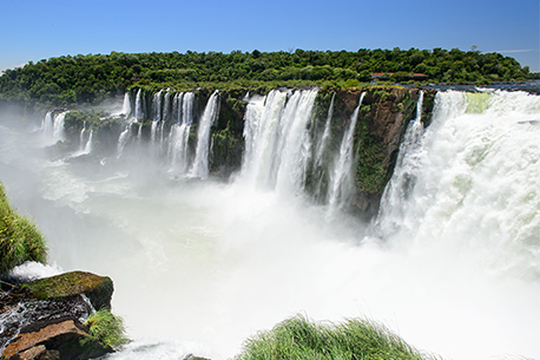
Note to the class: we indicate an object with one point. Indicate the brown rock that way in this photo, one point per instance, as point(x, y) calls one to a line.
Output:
point(69, 338)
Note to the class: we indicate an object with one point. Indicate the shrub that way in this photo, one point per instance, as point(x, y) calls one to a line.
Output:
point(20, 240)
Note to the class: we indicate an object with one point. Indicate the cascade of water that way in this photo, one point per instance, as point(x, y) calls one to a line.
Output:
point(326, 133)
point(399, 188)
point(123, 140)
point(294, 146)
point(340, 177)
point(47, 126)
point(261, 127)
point(126, 106)
point(156, 105)
point(166, 106)
point(154, 131)
point(88, 147)
point(200, 163)
point(139, 113)
point(278, 145)
point(473, 180)
point(179, 135)
point(58, 128)
point(81, 138)
point(177, 108)
point(187, 108)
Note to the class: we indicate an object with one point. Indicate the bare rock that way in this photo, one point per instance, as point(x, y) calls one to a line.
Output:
point(65, 340)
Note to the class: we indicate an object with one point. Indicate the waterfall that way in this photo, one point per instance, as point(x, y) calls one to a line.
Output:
point(81, 138)
point(200, 163)
point(326, 134)
point(123, 140)
point(179, 135)
point(166, 107)
point(340, 180)
point(126, 106)
point(88, 147)
point(157, 105)
point(278, 145)
point(52, 128)
point(450, 263)
point(47, 126)
point(139, 113)
point(472, 179)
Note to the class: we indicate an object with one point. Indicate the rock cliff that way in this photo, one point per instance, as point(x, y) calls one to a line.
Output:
point(47, 318)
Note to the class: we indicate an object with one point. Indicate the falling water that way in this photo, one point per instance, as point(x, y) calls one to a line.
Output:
point(179, 136)
point(326, 133)
point(278, 145)
point(139, 105)
point(81, 138)
point(402, 182)
point(126, 105)
point(88, 147)
point(340, 180)
point(123, 140)
point(200, 266)
point(200, 163)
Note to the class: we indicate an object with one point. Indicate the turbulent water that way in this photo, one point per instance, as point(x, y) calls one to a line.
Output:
point(451, 263)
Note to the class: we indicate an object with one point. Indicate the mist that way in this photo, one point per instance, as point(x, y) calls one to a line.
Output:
point(200, 265)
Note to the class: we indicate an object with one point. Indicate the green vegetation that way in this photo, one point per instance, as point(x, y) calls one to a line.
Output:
point(298, 338)
point(90, 78)
point(20, 240)
point(97, 288)
point(107, 328)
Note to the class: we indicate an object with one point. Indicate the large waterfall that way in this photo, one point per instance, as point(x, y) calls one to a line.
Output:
point(450, 263)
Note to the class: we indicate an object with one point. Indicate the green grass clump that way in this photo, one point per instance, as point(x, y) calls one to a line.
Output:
point(20, 240)
point(298, 338)
point(107, 328)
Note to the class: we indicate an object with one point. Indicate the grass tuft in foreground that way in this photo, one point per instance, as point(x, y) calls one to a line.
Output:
point(107, 328)
point(20, 240)
point(298, 338)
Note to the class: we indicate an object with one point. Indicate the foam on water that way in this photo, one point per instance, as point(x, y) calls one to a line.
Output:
point(199, 265)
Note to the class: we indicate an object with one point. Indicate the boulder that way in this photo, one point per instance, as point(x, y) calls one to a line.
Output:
point(65, 340)
point(98, 289)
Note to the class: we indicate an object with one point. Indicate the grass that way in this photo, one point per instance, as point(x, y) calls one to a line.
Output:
point(107, 328)
point(20, 240)
point(298, 338)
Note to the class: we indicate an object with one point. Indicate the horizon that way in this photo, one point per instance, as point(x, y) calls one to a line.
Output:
point(57, 28)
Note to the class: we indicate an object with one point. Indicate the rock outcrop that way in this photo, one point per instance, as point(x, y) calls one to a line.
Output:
point(45, 319)
point(65, 340)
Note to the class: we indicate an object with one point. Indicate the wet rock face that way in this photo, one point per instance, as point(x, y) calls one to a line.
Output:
point(44, 319)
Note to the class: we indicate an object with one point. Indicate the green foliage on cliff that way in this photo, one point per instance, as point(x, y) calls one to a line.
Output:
point(20, 240)
point(92, 78)
point(298, 338)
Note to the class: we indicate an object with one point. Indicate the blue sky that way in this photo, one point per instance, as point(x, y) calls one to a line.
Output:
point(36, 29)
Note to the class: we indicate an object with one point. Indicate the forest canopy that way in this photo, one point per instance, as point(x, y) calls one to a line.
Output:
point(87, 79)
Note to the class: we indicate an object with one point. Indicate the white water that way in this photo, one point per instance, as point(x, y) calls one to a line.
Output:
point(340, 180)
point(52, 128)
point(277, 140)
point(199, 266)
point(199, 168)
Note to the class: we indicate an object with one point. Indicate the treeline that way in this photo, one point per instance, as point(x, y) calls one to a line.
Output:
point(92, 78)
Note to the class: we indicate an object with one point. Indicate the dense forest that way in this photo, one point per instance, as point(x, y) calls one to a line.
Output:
point(87, 79)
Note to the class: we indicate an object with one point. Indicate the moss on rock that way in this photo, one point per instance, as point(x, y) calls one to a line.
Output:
point(97, 288)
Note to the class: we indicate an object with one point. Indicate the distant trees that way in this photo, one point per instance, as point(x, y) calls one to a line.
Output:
point(92, 78)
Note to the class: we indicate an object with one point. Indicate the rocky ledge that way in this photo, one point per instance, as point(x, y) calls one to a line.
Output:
point(54, 318)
